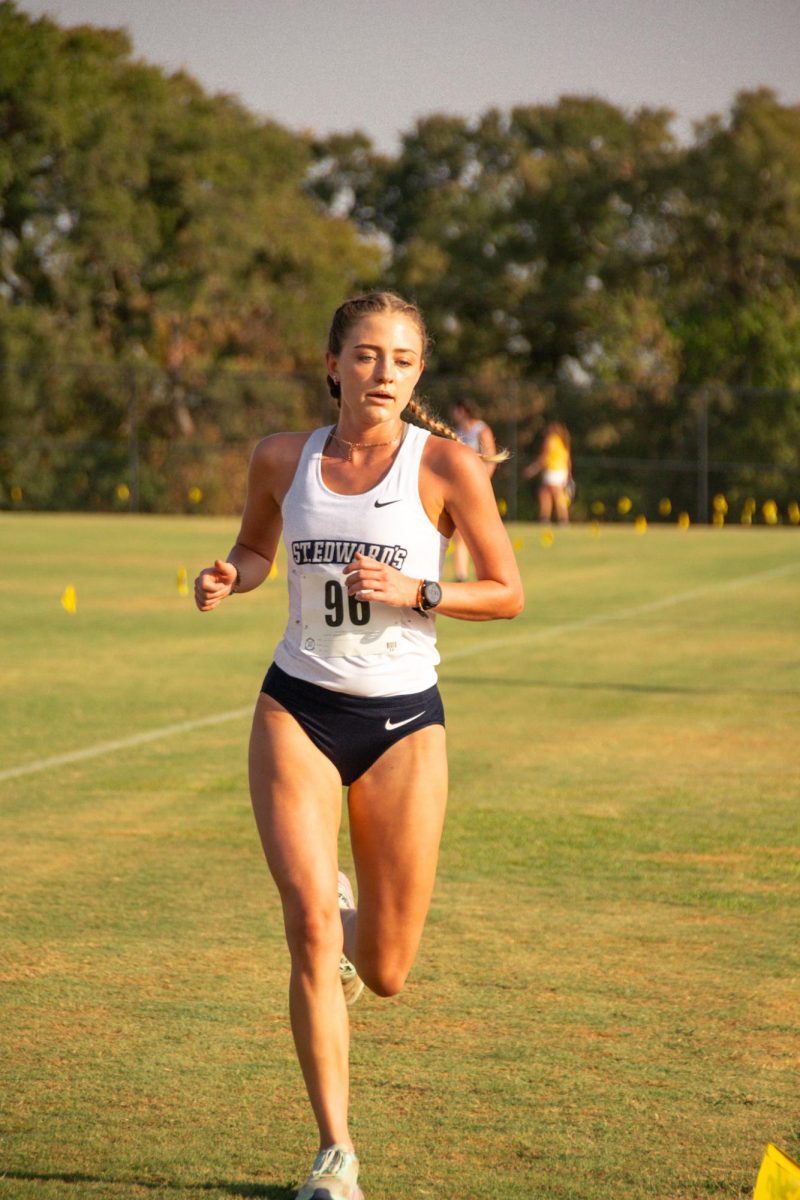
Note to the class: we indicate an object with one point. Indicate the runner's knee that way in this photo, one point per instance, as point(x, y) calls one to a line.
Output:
point(385, 971)
point(384, 979)
point(313, 930)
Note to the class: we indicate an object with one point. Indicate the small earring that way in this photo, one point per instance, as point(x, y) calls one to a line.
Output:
point(336, 380)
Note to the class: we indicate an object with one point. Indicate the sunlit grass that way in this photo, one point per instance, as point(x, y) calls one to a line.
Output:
point(605, 1002)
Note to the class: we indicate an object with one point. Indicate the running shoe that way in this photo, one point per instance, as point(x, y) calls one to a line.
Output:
point(352, 985)
point(334, 1176)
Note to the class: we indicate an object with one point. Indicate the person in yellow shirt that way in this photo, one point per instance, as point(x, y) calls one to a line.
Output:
point(555, 465)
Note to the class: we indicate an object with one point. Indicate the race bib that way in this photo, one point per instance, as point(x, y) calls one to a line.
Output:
point(335, 625)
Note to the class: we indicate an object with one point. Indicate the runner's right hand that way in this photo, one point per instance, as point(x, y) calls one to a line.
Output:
point(213, 584)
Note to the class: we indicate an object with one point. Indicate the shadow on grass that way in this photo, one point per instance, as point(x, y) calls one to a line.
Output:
point(258, 1191)
point(644, 688)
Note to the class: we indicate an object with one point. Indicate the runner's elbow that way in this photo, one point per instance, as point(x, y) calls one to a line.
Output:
point(514, 604)
point(508, 604)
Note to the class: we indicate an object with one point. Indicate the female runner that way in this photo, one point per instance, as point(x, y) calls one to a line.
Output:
point(366, 507)
point(555, 462)
point(474, 432)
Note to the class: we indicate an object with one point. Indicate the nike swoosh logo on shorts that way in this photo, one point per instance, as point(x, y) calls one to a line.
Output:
point(390, 724)
point(384, 503)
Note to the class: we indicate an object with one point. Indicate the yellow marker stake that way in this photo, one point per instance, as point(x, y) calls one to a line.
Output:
point(547, 539)
point(69, 599)
point(273, 571)
point(182, 582)
point(640, 524)
point(518, 544)
point(779, 1177)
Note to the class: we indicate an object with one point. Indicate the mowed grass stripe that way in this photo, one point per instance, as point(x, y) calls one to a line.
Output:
point(622, 614)
point(137, 739)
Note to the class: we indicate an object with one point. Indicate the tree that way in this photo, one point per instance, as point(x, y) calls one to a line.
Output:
point(503, 228)
point(734, 263)
point(131, 203)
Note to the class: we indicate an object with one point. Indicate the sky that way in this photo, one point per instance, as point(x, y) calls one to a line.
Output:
point(378, 65)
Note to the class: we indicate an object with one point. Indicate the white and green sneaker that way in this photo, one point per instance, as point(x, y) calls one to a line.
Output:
point(352, 985)
point(334, 1176)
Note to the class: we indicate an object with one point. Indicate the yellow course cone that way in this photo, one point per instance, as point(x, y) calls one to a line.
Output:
point(518, 544)
point(273, 571)
point(778, 1178)
point(182, 582)
point(547, 539)
point(69, 599)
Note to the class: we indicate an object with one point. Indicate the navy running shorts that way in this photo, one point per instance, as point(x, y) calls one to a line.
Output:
point(352, 731)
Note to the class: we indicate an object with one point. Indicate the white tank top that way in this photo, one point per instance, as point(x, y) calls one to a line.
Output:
point(335, 641)
point(472, 437)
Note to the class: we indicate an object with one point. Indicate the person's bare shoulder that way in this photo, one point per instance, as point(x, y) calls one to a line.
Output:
point(449, 471)
point(278, 447)
point(275, 460)
point(449, 460)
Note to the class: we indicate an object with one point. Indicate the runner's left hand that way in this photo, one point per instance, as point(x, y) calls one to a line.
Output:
point(369, 580)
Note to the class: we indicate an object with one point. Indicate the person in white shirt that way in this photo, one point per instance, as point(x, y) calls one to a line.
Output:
point(366, 507)
point(473, 432)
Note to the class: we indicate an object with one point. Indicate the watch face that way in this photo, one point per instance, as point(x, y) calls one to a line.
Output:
point(431, 594)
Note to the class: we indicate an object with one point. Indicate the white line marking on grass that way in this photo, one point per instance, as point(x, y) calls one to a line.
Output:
point(535, 635)
point(622, 614)
point(138, 739)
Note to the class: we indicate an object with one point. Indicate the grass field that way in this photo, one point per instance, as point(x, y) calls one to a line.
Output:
point(606, 1005)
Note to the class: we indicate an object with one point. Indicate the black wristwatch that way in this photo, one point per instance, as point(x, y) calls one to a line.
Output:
point(429, 594)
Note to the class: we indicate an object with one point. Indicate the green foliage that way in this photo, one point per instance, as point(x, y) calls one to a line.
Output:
point(735, 258)
point(144, 222)
point(575, 240)
point(572, 250)
point(582, 248)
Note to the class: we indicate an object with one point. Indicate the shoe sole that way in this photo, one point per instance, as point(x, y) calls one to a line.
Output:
point(352, 988)
point(324, 1194)
point(352, 985)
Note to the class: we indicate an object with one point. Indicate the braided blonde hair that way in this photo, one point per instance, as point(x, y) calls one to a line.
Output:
point(349, 313)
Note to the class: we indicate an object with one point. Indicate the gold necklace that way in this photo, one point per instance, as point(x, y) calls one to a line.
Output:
point(351, 446)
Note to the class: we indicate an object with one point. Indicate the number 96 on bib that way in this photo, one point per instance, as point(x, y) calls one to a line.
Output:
point(336, 625)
